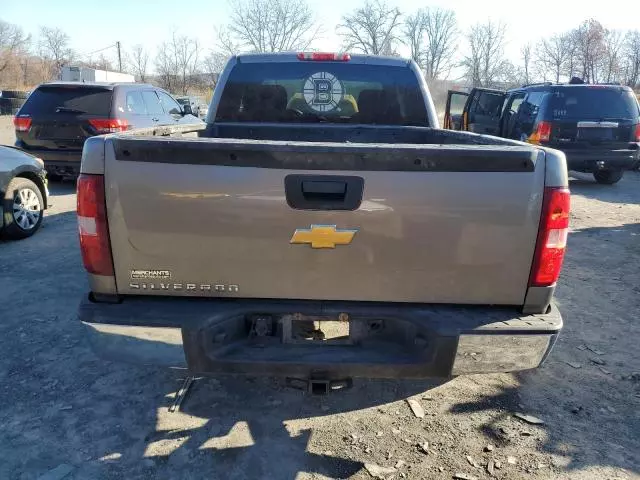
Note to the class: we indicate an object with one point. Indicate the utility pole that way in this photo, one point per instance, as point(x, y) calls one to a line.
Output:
point(119, 57)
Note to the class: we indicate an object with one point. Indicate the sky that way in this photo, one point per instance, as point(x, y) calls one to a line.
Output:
point(94, 26)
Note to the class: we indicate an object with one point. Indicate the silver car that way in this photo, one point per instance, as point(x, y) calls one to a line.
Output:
point(24, 194)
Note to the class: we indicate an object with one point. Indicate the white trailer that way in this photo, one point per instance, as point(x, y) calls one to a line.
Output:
point(86, 74)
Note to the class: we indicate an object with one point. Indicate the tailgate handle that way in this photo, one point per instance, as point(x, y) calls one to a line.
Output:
point(321, 189)
point(323, 192)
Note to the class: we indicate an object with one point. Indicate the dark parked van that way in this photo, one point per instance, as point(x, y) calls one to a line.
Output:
point(596, 126)
point(58, 117)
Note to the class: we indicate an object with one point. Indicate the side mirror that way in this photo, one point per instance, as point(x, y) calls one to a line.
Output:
point(186, 109)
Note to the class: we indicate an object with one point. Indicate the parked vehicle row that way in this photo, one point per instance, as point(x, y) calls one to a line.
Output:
point(596, 126)
point(58, 117)
point(51, 126)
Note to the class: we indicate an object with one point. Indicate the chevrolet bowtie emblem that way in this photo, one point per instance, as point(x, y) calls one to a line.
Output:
point(323, 236)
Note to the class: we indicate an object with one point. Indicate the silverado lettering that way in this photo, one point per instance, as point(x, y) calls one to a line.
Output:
point(204, 287)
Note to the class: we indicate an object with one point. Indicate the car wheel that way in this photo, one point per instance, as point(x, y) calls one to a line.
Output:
point(23, 209)
point(608, 177)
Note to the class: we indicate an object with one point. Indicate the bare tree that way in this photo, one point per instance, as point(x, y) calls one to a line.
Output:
point(441, 31)
point(137, 61)
point(430, 34)
point(269, 26)
point(229, 44)
point(166, 67)
point(54, 48)
point(553, 55)
point(588, 39)
point(485, 64)
point(177, 63)
point(371, 29)
point(632, 53)
point(612, 53)
point(413, 30)
point(101, 63)
point(213, 65)
point(187, 52)
point(527, 63)
point(12, 41)
point(572, 67)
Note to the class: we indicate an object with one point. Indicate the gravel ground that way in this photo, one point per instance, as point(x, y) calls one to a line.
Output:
point(66, 414)
point(6, 130)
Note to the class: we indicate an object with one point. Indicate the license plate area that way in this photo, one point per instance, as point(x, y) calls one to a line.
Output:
point(597, 134)
point(59, 132)
point(312, 330)
point(322, 331)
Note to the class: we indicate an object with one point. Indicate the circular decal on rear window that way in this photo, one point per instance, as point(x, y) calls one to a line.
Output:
point(322, 91)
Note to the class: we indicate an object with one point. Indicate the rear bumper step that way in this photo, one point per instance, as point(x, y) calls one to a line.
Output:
point(594, 159)
point(210, 336)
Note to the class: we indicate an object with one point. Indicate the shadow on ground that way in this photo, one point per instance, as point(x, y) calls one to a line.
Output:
point(243, 429)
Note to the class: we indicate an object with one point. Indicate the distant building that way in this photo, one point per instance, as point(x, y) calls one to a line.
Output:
point(86, 74)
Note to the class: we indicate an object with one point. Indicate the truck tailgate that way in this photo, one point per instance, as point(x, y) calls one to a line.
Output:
point(218, 217)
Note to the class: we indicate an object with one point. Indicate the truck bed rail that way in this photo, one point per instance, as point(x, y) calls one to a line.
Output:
point(165, 130)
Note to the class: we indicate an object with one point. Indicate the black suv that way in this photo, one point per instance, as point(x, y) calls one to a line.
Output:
point(58, 117)
point(596, 126)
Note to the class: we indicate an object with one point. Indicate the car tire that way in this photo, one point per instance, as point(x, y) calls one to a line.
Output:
point(23, 209)
point(608, 177)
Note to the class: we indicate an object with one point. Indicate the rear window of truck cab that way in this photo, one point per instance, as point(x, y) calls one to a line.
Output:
point(593, 102)
point(314, 92)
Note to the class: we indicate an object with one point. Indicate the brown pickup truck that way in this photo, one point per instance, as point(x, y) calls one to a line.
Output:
point(321, 226)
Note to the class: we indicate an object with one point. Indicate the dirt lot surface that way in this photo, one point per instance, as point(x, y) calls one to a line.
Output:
point(66, 414)
point(7, 136)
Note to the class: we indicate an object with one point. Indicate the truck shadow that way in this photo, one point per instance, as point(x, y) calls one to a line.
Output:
point(245, 427)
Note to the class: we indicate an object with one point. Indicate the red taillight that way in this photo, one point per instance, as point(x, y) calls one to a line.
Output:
point(637, 133)
point(109, 125)
point(542, 133)
point(324, 57)
point(552, 237)
point(92, 225)
point(22, 124)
